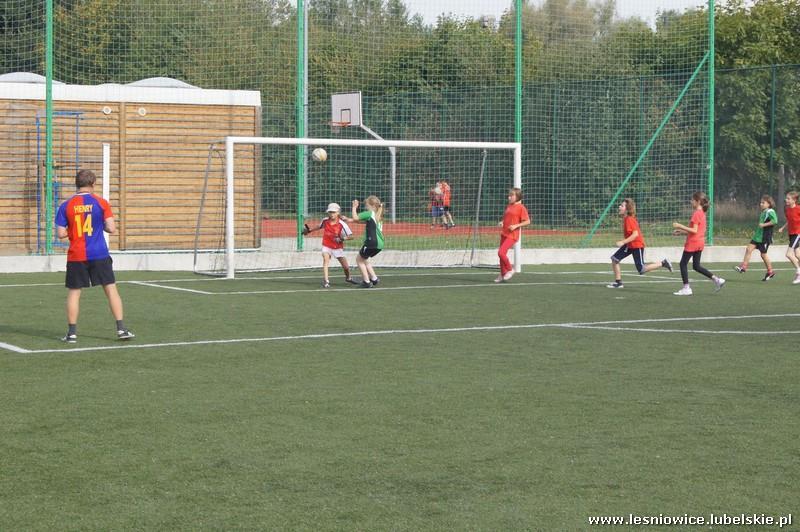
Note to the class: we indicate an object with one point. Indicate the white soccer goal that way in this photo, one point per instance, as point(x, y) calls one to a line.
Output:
point(479, 175)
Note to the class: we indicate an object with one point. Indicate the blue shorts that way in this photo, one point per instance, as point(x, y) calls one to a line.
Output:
point(638, 257)
point(436, 212)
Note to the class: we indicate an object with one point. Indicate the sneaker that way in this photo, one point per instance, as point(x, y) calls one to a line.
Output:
point(70, 338)
point(508, 276)
point(498, 279)
point(769, 275)
point(125, 334)
point(796, 278)
point(615, 284)
point(375, 281)
point(685, 291)
point(666, 264)
point(326, 284)
point(351, 280)
point(740, 269)
point(365, 284)
point(719, 283)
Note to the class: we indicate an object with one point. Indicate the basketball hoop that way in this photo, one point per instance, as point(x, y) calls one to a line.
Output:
point(336, 127)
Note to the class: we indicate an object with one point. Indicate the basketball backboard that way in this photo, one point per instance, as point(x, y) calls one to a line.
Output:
point(346, 108)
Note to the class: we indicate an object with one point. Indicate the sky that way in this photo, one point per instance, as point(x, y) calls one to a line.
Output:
point(644, 9)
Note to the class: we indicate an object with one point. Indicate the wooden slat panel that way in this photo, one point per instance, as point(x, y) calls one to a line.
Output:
point(159, 158)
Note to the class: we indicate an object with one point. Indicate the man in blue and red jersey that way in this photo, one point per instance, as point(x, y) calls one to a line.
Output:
point(83, 218)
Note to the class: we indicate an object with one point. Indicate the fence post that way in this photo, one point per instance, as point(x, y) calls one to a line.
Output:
point(772, 123)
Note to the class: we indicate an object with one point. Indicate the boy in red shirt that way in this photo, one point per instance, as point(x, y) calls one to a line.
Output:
point(792, 212)
point(334, 232)
point(632, 244)
point(515, 217)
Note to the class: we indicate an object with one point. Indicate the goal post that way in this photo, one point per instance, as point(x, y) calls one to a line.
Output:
point(230, 146)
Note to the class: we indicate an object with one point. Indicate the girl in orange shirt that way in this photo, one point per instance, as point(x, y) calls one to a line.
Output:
point(632, 244)
point(695, 243)
point(515, 217)
point(792, 212)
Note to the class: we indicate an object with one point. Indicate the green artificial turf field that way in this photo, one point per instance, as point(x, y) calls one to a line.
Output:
point(436, 401)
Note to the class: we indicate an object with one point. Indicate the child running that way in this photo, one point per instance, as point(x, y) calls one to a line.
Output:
point(632, 244)
point(334, 233)
point(762, 237)
point(792, 212)
point(373, 238)
point(515, 217)
point(695, 243)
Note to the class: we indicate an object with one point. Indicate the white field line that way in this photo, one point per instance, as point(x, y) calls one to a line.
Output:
point(427, 287)
point(443, 273)
point(683, 331)
point(14, 348)
point(200, 279)
point(568, 325)
point(155, 285)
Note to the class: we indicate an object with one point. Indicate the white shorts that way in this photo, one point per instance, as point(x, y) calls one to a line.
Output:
point(336, 253)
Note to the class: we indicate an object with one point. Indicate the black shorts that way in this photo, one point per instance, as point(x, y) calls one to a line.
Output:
point(90, 273)
point(366, 252)
point(638, 256)
point(763, 247)
point(447, 208)
point(794, 241)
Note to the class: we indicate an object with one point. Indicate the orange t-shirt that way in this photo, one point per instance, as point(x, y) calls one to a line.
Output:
point(515, 213)
point(793, 219)
point(697, 241)
point(629, 225)
point(446, 194)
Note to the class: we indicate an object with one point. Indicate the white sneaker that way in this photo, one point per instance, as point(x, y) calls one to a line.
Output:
point(685, 291)
point(508, 276)
point(719, 283)
point(796, 278)
point(498, 279)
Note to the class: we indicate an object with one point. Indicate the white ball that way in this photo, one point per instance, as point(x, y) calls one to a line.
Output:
point(319, 155)
point(437, 190)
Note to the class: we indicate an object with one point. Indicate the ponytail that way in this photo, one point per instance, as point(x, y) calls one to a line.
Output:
point(702, 199)
point(377, 207)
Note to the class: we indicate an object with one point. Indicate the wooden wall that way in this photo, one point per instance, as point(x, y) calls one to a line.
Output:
point(159, 154)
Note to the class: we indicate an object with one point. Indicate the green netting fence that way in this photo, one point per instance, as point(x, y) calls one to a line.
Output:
point(616, 101)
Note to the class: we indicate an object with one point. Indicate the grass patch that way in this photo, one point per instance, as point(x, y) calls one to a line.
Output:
point(528, 428)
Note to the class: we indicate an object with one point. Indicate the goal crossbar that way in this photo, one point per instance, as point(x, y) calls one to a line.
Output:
point(231, 142)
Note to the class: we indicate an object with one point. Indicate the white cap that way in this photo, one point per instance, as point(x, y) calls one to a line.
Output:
point(334, 207)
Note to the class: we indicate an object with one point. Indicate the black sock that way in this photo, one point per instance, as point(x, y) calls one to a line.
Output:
point(72, 328)
point(120, 326)
point(618, 281)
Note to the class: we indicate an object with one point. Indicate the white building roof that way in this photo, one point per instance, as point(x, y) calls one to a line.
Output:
point(27, 86)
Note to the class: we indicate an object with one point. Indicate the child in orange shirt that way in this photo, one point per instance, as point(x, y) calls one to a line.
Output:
point(695, 243)
point(792, 212)
point(515, 217)
point(632, 244)
point(334, 233)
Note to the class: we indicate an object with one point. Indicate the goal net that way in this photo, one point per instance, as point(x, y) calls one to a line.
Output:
point(257, 226)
